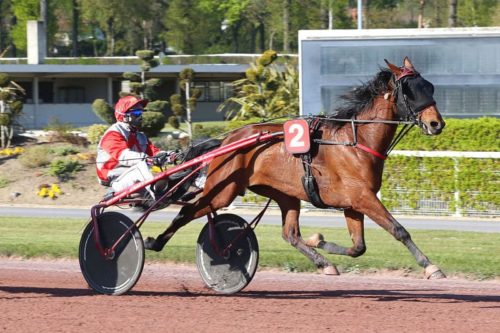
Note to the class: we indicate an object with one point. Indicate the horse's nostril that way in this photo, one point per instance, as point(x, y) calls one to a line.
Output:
point(435, 124)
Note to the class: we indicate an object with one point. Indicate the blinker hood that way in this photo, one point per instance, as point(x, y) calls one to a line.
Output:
point(414, 94)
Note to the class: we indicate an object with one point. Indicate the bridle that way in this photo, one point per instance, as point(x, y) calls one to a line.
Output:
point(408, 117)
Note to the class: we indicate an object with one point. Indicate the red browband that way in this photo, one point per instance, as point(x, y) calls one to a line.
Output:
point(405, 72)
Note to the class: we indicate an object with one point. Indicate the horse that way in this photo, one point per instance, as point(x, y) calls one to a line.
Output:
point(347, 176)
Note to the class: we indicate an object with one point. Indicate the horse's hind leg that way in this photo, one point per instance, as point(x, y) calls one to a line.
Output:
point(371, 206)
point(355, 225)
point(290, 208)
point(210, 202)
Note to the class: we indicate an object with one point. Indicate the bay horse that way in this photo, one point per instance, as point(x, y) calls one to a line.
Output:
point(348, 176)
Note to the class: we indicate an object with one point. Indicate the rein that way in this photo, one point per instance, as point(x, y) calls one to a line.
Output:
point(408, 125)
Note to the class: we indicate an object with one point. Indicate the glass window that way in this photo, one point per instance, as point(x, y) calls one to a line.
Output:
point(45, 92)
point(202, 88)
point(71, 95)
point(464, 70)
point(214, 91)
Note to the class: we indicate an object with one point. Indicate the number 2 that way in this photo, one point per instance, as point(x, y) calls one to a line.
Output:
point(297, 139)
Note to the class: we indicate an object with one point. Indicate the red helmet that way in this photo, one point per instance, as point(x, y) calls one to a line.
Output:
point(127, 103)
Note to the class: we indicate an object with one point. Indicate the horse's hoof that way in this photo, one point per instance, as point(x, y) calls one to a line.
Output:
point(150, 244)
point(432, 272)
point(330, 270)
point(314, 240)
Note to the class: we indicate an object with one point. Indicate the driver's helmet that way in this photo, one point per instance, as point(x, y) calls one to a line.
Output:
point(128, 103)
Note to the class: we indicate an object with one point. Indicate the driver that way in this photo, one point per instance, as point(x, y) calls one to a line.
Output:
point(124, 153)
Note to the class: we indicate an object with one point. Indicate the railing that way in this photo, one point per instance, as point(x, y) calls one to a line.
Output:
point(460, 198)
point(407, 200)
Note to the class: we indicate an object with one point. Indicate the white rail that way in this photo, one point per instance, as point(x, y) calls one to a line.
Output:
point(447, 153)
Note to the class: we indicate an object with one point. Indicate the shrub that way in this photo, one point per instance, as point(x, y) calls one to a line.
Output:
point(65, 151)
point(132, 77)
point(174, 122)
point(145, 55)
point(165, 142)
point(4, 79)
point(152, 123)
point(208, 132)
point(157, 106)
point(104, 111)
point(95, 132)
point(459, 135)
point(64, 169)
point(34, 157)
point(4, 182)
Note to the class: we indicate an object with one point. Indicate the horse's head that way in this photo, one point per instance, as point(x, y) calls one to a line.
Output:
point(414, 98)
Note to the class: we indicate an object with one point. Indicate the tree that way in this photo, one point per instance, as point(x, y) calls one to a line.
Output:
point(193, 26)
point(184, 105)
point(476, 13)
point(452, 20)
point(154, 119)
point(7, 19)
point(75, 22)
point(24, 10)
point(115, 17)
point(11, 107)
point(266, 91)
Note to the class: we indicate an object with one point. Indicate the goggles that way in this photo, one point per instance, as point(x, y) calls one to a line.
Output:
point(136, 112)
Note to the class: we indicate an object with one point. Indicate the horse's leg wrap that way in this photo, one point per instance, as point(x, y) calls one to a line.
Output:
point(323, 265)
point(314, 240)
point(317, 241)
point(434, 272)
point(330, 270)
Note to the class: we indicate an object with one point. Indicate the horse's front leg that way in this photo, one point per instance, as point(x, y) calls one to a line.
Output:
point(371, 206)
point(355, 225)
point(291, 234)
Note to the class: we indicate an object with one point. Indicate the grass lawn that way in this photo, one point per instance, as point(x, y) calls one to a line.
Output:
point(474, 255)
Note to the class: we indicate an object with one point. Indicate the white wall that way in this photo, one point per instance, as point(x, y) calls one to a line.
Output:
point(75, 114)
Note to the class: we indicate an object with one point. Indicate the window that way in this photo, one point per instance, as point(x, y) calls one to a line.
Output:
point(465, 70)
point(45, 92)
point(214, 91)
point(71, 95)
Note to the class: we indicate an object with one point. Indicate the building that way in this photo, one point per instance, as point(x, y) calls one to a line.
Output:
point(63, 89)
point(462, 63)
point(65, 92)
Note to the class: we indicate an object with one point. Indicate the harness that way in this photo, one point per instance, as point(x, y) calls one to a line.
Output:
point(410, 118)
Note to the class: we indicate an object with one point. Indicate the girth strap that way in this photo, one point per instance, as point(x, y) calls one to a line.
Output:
point(309, 183)
point(308, 180)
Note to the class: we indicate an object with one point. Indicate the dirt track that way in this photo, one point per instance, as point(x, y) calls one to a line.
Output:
point(51, 296)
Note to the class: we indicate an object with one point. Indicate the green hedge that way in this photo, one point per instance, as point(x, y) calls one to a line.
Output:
point(426, 185)
point(481, 134)
point(411, 183)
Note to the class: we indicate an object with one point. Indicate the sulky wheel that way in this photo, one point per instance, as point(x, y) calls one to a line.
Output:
point(232, 271)
point(118, 273)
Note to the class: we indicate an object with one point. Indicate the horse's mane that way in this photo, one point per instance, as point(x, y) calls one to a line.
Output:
point(360, 98)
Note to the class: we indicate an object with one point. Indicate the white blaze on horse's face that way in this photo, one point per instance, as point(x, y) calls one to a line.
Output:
point(431, 121)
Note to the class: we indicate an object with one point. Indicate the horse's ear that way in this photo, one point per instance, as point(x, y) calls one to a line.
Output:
point(394, 69)
point(407, 63)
